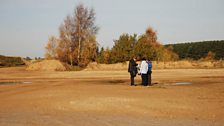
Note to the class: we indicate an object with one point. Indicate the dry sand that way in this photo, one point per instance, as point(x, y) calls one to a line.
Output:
point(103, 98)
point(48, 65)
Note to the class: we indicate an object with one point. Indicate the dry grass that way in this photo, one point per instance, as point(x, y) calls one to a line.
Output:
point(160, 65)
point(188, 64)
point(55, 65)
point(117, 66)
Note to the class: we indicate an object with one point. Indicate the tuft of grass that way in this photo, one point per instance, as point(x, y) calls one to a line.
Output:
point(76, 68)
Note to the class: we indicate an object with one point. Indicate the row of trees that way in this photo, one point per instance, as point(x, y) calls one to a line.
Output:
point(77, 44)
point(199, 50)
point(145, 45)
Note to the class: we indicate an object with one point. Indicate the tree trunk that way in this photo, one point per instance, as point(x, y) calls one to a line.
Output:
point(79, 50)
point(71, 60)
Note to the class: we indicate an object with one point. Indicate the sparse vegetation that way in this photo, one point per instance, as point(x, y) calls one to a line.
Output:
point(6, 61)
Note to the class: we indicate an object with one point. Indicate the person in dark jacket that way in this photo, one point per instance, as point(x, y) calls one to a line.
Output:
point(149, 72)
point(132, 69)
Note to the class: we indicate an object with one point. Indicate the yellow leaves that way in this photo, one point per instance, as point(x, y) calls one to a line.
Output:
point(210, 56)
point(51, 48)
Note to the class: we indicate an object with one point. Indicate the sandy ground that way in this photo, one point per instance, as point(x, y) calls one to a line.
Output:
point(103, 98)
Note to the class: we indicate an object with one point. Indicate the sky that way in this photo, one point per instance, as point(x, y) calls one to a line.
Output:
point(26, 25)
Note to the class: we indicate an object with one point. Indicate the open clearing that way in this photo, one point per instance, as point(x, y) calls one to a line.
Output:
point(104, 98)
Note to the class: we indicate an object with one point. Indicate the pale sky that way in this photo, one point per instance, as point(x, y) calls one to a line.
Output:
point(26, 25)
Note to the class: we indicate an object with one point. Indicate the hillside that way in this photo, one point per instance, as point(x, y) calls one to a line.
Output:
point(198, 50)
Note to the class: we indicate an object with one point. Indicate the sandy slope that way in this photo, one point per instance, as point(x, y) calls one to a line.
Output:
point(94, 98)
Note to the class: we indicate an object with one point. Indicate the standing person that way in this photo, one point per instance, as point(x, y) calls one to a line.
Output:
point(132, 69)
point(144, 72)
point(149, 72)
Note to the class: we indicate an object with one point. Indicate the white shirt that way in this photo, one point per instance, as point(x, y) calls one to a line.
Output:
point(144, 67)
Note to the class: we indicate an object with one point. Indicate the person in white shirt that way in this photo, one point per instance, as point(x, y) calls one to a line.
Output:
point(144, 72)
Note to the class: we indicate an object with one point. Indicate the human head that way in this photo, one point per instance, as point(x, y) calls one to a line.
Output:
point(134, 58)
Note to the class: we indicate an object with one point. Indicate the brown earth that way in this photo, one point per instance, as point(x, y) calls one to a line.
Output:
point(48, 65)
point(103, 98)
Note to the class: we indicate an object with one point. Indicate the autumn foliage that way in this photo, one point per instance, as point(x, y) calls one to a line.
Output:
point(76, 44)
point(145, 45)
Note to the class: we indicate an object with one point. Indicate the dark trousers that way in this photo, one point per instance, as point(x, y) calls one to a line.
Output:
point(132, 79)
point(144, 79)
point(150, 78)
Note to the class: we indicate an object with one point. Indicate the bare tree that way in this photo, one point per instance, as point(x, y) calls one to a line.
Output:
point(51, 48)
point(66, 46)
point(77, 36)
point(85, 29)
